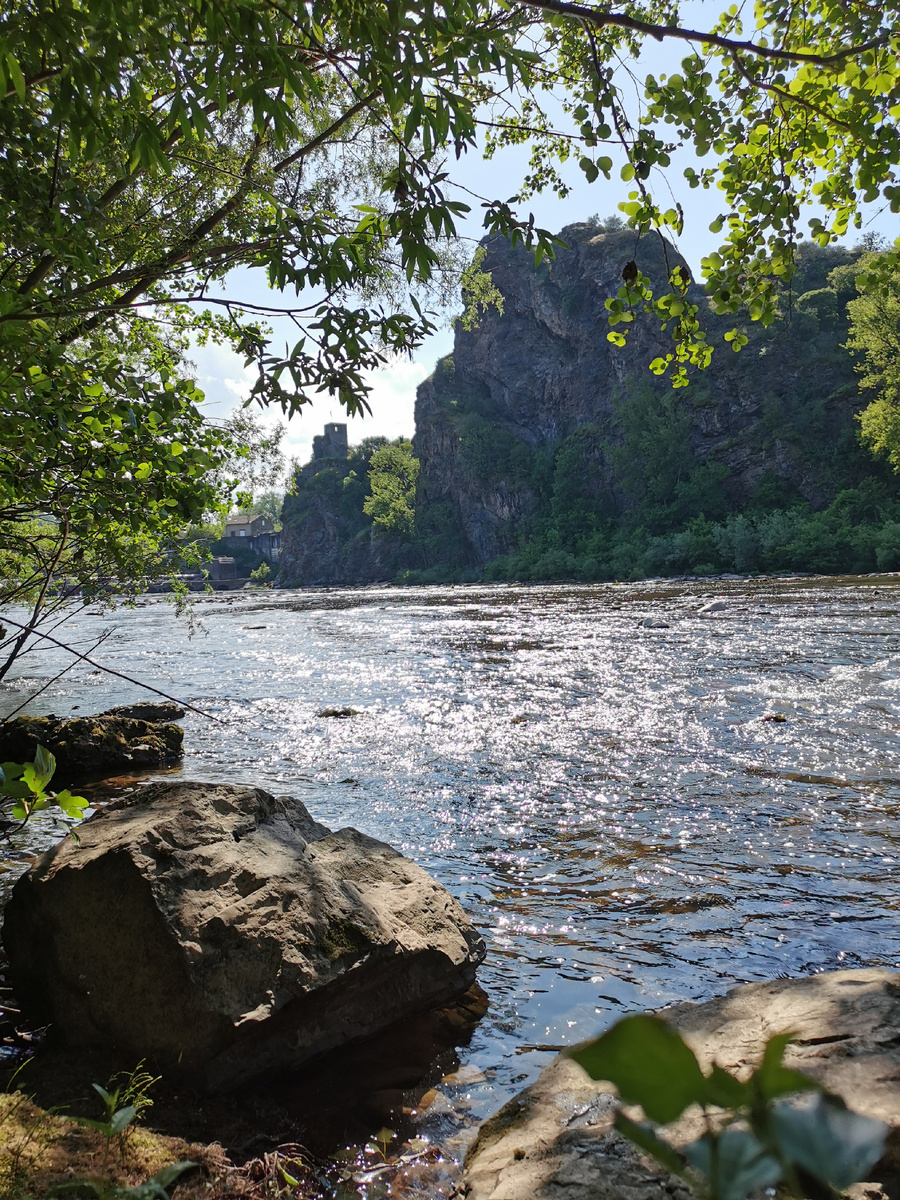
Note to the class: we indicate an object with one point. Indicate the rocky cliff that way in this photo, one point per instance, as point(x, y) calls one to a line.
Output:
point(543, 371)
point(542, 441)
point(327, 538)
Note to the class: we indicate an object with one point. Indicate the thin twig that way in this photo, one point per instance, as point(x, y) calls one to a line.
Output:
point(119, 674)
point(34, 695)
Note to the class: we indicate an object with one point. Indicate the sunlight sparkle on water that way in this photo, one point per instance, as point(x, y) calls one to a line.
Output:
point(623, 810)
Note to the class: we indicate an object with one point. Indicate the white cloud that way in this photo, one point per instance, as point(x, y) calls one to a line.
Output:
point(225, 381)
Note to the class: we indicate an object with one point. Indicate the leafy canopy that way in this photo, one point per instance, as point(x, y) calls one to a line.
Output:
point(152, 151)
point(875, 338)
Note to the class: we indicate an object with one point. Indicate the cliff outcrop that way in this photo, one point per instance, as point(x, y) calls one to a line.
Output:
point(327, 539)
point(543, 371)
point(547, 451)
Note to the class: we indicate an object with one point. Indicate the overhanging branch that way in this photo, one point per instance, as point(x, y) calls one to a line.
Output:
point(601, 19)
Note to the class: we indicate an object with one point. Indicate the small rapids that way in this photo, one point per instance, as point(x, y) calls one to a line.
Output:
point(632, 815)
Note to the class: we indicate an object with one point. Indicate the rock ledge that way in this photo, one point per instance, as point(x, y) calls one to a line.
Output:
point(135, 735)
point(556, 1139)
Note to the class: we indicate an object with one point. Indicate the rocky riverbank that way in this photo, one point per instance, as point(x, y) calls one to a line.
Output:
point(557, 1139)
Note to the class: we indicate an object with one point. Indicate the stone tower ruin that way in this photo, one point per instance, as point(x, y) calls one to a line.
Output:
point(332, 443)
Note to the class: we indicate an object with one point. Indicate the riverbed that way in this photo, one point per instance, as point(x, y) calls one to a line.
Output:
point(632, 816)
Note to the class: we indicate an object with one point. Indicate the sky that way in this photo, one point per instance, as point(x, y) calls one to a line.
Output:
point(226, 383)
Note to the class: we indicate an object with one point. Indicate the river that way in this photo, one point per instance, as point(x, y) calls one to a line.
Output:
point(633, 816)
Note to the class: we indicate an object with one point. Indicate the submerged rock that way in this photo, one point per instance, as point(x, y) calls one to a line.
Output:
point(136, 735)
point(556, 1138)
point(224, 933)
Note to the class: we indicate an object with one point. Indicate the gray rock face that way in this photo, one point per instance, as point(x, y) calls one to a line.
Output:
point(556, 1138)
point(323, 550)
point(544, 369)
point(493, 415)
point(224, 933)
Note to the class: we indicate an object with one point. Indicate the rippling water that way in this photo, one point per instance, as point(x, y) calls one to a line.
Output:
point(608, 801)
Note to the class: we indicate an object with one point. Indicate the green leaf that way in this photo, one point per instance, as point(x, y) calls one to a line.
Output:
point(829, 1140)
point(122, 1118)
point(649, 1064)
point(723, 1090)
point(772, 1079)
point(169, 1174)
point(15, 73)
point(590, 168)
point(103, 1127)
point(45, 763)
point(734, 1163)
point(72, 806)
point(32, 780)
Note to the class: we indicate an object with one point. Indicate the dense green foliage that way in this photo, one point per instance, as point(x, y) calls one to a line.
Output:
point(391, 502)
point(857, 533)
point(875, 337)
point(373, 486)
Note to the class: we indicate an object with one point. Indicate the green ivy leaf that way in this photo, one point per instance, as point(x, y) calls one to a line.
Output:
point(649, 1064)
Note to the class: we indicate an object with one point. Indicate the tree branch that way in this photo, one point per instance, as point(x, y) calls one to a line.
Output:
point(109, 671)
point(324, 136)
point(602, 20)
point(789, 97)
point(177, 253)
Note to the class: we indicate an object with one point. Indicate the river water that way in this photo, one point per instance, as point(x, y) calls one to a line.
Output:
point(622, 809)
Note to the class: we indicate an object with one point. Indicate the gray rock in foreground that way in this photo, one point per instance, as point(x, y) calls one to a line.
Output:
point(224, 933)
point(556, 1140)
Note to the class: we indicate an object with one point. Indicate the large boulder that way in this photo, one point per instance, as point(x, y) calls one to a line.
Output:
point(139, 735)
point(224, 933)
point(556, 1139)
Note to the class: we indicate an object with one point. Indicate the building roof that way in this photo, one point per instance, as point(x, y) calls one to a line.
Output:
point(242, 518)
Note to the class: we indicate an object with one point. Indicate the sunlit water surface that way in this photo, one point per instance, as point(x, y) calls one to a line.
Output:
point(608, 801)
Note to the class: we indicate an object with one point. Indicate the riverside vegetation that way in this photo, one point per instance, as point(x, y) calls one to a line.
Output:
point(150, 150)
point(540, 454)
